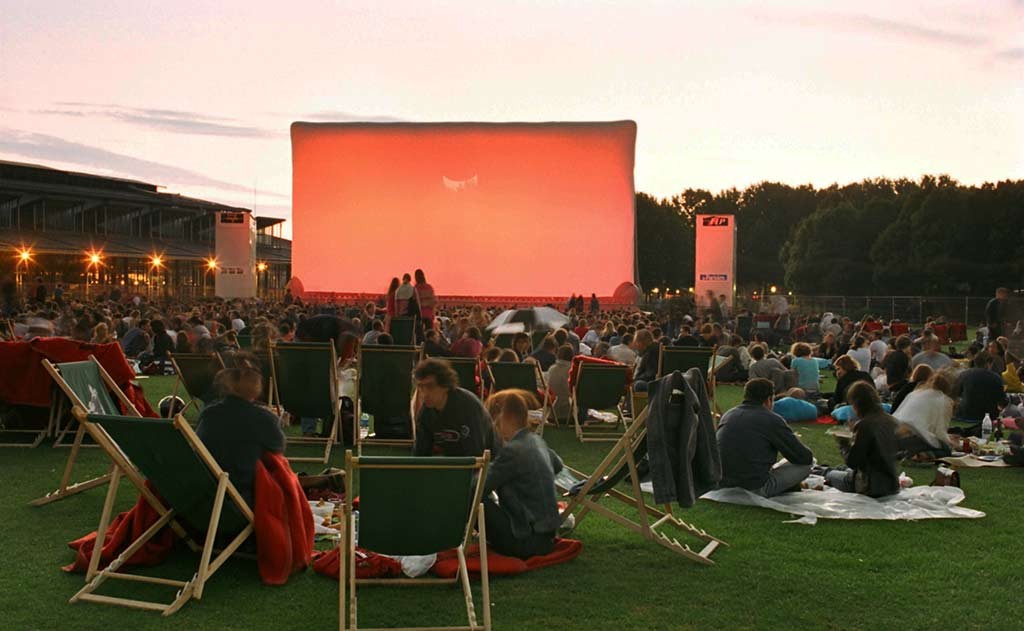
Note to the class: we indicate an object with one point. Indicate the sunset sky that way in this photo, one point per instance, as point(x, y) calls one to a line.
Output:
point(197, 96)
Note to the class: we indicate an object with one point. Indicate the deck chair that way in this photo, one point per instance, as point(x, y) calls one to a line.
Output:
point(504, 340)
point(621, 465)
point(395, 492)
point(87, 387)
point(403, 331)
point(468, 370)
point(194, 491)
point(599, 387)
point(245, 341)
point(196, 372)
point(522, 376)
point(683, 358)
point(305, 381)
point(385, 391)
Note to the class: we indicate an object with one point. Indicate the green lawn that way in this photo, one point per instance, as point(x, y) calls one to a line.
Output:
point(836, 575)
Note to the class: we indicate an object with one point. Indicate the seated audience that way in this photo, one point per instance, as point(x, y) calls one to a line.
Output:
point(686, 337)
point(921, 374)
point(931, 355)
point(648, 353)
point(469, 345)
point(896, 364)
point(452, 421)
point(794, 407)
point(376, 330)
point(806, 368)
point(750, 438)
point(924, 417)
point(545, 355)
point(558, 380)
point(762, 367)
point(848, 372)
point(236, 430)
point(622, 352)
point(524, 520)
point(981, 390)
point(871, 456)
point(433, 344)
point(859, 351)
point(1012, 374)
point(521, 345)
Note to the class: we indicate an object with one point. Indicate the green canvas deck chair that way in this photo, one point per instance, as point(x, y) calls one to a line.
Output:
point(468, 370)
point(504, 340)
point(385, 392)
point(305, 379)
point(403, 331)
point(683, 358)
point(523, 376)
point(195, 491)
point(599, 387)
point(621, 465)
point(245, 341)
point(195, 373)
point(84, 386)
point(396, 494)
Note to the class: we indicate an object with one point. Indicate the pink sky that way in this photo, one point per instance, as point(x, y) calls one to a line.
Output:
point(198, 96)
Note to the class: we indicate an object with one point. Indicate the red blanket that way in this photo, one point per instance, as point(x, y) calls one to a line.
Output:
point(372, 565)
point(26, 382)
point(283, 523)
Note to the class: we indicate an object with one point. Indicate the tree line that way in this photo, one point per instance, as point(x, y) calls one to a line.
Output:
point(934, 236)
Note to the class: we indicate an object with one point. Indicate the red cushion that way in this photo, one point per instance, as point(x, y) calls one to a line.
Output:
point(447, 565)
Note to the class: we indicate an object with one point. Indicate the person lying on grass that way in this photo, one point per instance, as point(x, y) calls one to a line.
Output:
point(524, 520)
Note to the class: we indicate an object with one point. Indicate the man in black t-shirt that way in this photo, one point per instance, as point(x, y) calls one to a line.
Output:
point(452, 421)
point(981, 390)
point(995, 313)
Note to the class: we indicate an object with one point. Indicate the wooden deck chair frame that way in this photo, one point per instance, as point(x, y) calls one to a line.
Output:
point(179, 378)
point(602, 432)
point(547, 407)
point(347, 581)
point(357, 438)
point(66, 488)
point(709, 367)
point(208, 563)
point(275, 382)
point(651, 520)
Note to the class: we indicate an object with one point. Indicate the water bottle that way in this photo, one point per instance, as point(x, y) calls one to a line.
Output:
point(364, 425)
point(986, 428)
point(355, 527)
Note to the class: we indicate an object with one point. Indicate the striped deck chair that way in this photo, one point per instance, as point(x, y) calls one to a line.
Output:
point(585, 494)
point(683, 358)
point(305, 381)
point(599, 387)
point(385, 392)
point(396, 492)
point(87, 388)
point(195, 372)
point(194, 491)
point(523, 376)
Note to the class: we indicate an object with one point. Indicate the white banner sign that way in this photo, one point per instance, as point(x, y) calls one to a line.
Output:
point(236, 255)
point(715, 266)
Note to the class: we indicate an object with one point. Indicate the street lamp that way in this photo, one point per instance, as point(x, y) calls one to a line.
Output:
point(155, 263)
point(93, 261)
point(773, 289)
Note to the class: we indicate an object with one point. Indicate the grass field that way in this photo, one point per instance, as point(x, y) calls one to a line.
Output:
point(952, 574)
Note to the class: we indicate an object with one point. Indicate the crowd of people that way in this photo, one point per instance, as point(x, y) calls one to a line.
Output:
point(899, 393)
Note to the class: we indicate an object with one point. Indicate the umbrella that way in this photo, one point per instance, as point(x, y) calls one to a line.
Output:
point(534, 319)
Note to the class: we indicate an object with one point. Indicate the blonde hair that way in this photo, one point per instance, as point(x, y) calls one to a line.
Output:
point(514, 405)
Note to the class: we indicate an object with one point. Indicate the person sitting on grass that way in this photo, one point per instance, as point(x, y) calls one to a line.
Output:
point(924, 417)
point(237, 430)
point(921, 374)
point(871, 456)
point(981, 392)
point(848, 372)
point(806, 368)
point(750, 438)
point(523, 521)
point(452, 421)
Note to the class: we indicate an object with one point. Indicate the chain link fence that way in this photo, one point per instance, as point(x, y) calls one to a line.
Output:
point(913, 309)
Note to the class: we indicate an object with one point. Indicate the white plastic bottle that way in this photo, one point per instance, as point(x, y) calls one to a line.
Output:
point(986, 428)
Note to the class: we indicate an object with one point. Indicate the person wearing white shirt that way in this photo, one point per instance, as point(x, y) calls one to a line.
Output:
point(877, 347)
point(860, 352)
point(622, 352)
point(924, 417)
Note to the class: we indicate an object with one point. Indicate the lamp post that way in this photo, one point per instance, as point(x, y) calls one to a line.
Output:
point(211, 267)
point(93, 261)
point(155, 263)
point(24, 259)
point(261, 271)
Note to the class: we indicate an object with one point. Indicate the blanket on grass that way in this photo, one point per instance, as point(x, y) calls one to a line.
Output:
point(919, 502)
point(283, 528)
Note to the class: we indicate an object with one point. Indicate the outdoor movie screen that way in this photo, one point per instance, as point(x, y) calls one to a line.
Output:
point(484, 209)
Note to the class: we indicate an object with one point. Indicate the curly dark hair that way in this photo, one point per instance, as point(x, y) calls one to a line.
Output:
point(440, 370)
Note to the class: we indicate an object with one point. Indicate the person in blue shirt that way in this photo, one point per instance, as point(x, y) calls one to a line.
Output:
point(806, 368)
point(794, 407)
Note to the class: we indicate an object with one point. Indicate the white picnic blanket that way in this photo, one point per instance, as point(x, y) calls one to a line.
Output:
point(921, 502)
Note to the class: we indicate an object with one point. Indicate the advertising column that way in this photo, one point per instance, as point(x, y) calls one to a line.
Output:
point(715, 265)
point(236, 255)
